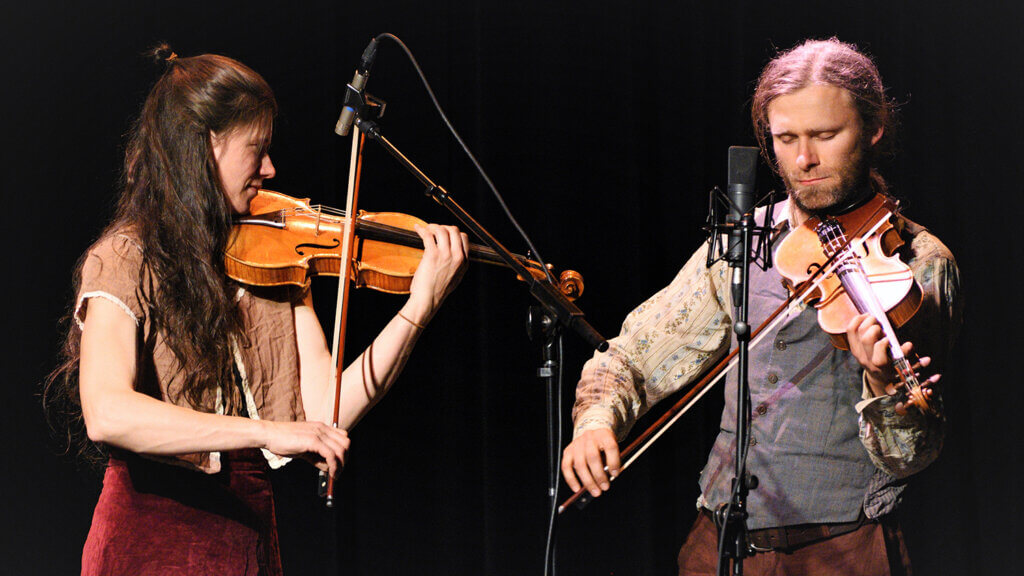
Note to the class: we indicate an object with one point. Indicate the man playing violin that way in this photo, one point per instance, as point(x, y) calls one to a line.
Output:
point(830, 444)
point(191, 384)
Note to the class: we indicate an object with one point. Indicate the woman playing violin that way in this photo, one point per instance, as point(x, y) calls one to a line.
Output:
point(193, 385)
point(829, 444)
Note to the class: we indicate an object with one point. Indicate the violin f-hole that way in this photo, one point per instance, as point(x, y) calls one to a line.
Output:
point(298, 247)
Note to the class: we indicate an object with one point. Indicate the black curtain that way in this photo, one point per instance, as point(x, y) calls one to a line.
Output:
point(604, 124)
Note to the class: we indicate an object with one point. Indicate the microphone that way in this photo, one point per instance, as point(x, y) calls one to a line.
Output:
point(742, 197)
point(348, 113)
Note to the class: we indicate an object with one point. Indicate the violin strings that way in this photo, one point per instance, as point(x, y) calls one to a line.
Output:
point(842, 254)
point(409, 237)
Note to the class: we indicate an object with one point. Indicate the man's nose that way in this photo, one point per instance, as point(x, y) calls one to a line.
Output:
point(806, 157)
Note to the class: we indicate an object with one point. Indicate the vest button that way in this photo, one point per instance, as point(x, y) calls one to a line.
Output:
point(773, 377)
point(762, 409)
point(780, 344)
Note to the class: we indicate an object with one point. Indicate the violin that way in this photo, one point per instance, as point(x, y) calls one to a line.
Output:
point(286, 241)
point(847, 265)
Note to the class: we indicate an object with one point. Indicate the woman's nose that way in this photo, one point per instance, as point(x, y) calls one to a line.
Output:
point(267, 170)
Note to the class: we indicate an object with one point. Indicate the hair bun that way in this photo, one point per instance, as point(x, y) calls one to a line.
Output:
point(162, 54)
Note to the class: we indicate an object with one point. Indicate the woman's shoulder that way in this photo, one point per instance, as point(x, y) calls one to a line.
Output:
point(112, 270)
point(118, 244)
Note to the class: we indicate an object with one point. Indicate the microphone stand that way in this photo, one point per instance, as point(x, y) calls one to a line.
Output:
point(558, 311)
point(557, 304)
point(731, 517)
point(541, 326)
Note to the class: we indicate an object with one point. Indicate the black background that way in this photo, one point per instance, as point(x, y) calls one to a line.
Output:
point(604, 124)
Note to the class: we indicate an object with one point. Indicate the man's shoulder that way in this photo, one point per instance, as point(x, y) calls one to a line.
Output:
point(923, 244)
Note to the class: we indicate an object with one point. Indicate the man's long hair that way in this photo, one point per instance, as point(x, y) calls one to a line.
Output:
point(834, 63)
point(172, 202)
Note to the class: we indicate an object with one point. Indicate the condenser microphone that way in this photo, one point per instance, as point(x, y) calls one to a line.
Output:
point(742, 197)
point(348, 113)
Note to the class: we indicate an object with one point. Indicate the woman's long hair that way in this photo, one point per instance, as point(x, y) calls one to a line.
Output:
point(172, 202)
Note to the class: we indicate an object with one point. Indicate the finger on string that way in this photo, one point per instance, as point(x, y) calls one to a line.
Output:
point(440, 237)
point(880, 353)
point(424, 235)
point(454, 241)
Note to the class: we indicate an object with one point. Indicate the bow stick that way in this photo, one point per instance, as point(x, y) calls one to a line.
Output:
point(794, 302)
point(325, 485)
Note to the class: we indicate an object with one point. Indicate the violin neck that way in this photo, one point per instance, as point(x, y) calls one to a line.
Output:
point(906, 372)
point(855, 282)
point(391, 234)
point(854, 279)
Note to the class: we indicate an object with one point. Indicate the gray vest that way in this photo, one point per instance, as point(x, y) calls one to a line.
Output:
point(804, 447)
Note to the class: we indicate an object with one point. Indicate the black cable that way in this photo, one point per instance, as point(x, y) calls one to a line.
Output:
point(483, 174)
point(549, 548)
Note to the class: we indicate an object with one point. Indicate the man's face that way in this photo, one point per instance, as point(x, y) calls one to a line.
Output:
point(820, 146)
point(243, 163)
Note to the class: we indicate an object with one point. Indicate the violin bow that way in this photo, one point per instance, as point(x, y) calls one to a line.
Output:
point(644, 441)
point(325, 483)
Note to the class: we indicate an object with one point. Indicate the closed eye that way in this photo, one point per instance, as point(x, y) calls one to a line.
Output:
point(260, 148)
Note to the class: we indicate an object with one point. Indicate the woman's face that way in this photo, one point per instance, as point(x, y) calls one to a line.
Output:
point(243, 163)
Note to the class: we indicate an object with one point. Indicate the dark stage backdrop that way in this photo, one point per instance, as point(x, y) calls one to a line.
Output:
point(605, 124)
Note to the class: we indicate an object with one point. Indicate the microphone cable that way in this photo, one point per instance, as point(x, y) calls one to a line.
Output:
point(549, 549)
point(468, 152)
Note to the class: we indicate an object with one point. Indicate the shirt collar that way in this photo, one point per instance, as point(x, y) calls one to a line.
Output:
point(783, 216)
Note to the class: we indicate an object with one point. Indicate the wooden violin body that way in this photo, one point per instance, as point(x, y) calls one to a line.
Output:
point(846, 265)
point(873, 233)
point(283, 240)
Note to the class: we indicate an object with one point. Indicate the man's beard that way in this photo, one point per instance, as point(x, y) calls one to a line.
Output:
point(847, 185)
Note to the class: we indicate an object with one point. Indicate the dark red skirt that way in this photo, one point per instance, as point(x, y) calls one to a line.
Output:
point(159, 519)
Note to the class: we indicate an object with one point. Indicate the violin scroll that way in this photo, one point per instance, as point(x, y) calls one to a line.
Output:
point(916, 398)
point(916, 394)
point(570, 282)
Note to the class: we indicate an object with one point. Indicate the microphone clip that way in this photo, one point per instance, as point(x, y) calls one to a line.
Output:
point(718, 228)
point(366, 105)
